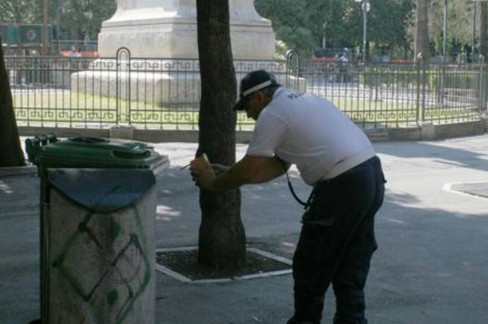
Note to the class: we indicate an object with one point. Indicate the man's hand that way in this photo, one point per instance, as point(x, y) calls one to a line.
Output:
point(250, 169)
point(202, 172)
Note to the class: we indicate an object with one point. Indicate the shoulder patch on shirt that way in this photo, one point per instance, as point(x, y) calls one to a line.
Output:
point(294, 95)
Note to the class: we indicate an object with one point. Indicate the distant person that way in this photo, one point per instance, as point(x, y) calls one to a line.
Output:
point(342, 64)
point(333, 156)
point(347, 54)
point(74, 52)
point(343, 59)
point(462, 57)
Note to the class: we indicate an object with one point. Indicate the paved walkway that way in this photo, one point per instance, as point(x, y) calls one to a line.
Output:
point(431, 266)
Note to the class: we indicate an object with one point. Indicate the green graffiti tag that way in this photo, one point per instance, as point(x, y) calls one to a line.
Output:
point(125, 266)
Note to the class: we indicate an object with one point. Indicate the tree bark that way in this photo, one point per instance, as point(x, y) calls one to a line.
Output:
point(422, 48)
point(11, 151)
point(222, 241)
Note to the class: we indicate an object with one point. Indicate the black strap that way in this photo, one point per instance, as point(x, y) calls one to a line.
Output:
point(301, 202)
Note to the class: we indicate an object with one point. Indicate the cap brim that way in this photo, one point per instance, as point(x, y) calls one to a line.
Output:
point(241, 104)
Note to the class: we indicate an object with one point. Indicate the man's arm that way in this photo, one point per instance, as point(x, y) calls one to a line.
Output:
point(251, 169)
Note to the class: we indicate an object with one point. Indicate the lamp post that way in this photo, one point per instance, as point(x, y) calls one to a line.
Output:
point(44, 34)
point(365, 7)
point(58, 46)
point(473, 40)
point(444, 34)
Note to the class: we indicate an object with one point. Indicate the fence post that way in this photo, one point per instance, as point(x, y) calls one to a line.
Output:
point(442, 85)
point(378, 79)
point(292, 70)
point(424, 90)
point(419, 81)
point(122, 85)
point(481, 84)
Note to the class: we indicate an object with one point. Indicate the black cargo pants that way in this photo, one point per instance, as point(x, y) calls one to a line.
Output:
point(336, 244)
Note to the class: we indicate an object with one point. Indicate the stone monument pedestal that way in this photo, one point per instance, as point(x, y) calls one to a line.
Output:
point(163, 82)
point(168, 29)
point(160, 52)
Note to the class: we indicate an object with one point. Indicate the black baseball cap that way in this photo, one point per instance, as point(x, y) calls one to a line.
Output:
point(252, 82)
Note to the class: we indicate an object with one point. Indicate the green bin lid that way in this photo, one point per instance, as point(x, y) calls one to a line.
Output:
point(92, 152)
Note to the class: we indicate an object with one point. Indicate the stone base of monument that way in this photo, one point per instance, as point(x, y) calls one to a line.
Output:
point(161, 89)
point(162, 82)
point(152, 29)
point(168, 28)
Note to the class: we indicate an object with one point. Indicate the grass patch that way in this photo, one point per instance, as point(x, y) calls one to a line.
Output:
point(64, 106)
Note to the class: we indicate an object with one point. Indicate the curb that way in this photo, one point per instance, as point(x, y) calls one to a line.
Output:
point(17, 171)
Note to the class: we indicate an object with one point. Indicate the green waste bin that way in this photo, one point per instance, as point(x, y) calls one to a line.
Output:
point(97, 216)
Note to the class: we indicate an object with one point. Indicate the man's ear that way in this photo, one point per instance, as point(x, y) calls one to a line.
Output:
point(262, 97)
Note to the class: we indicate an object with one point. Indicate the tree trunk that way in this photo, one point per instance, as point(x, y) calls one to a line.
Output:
point(422, 48)
point(12, 154)
point(483, 29)
point(222, 241)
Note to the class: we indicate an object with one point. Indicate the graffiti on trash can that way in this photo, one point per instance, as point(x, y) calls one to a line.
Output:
point(115, 269)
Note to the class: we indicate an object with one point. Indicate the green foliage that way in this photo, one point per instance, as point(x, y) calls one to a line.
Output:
point(281, 49)
point(303, 27)
point(458, 11)
point(85, 16)
point(391, 24)
point(388, 23)
point(459, 25)
point(20, 11)
point(289, 18)
point(300, 25)
point(76, 17)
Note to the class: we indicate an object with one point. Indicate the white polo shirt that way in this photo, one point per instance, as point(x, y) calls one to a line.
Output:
point(310, 132)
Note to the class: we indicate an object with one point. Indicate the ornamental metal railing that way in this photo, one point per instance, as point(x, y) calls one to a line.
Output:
point(164, 94)
point(401, 95)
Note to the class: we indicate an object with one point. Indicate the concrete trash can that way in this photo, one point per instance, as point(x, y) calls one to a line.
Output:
point(98, 205)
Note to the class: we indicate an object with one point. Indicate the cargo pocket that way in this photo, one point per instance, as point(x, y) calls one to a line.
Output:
point(319, 211)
